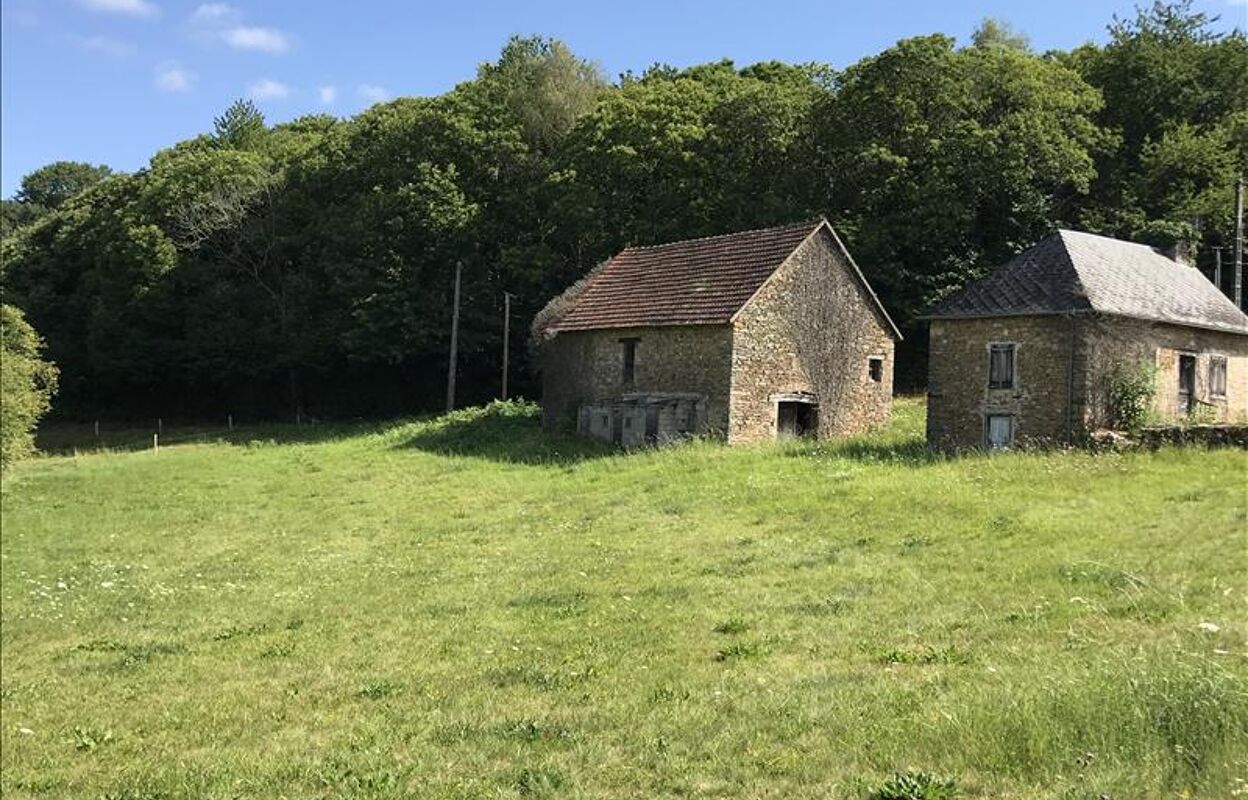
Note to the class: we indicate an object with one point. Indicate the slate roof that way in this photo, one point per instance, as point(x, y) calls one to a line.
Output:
point(1072, 271)
point(692, 282)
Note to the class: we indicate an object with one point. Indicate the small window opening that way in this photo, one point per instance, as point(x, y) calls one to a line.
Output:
point(630, 360)
point(1217, 376)
point(999, 431)
point(875, 369)
point(1001, 366)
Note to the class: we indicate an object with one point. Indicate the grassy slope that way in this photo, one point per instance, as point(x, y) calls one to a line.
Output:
point(368, 616)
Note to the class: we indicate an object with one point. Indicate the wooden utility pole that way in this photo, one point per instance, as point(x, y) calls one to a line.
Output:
point(506, 337)
point(1239, 242)
point(1217, 267)
point(450, 370)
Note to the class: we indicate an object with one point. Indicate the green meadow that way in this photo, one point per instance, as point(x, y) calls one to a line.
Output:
point(462, 607)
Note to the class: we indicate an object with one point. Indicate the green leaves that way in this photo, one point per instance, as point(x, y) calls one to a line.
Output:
point(241, 127)
point(948, 161)
point(1175, 97)
point(27, 383)
point(49, 187)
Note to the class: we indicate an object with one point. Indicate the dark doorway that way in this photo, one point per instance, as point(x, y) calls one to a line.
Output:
point(652, 423)
point(629, 356)
point(1187, 384)
point(795, 419)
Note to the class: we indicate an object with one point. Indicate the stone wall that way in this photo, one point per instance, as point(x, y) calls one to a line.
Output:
point(811, 329)
point(957, 382)
point(1222, 435)
point(581, 367)
point(1110, 341)
point(1061, 357)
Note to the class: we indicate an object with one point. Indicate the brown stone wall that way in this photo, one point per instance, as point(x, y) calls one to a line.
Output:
point(1110, 341)
point(587, 367)
point(810, 329)
point(957, 382)
point(1046, 364)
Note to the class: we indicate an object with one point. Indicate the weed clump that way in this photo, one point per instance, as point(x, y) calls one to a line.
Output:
point(916, 786)
point(732, 626)
point(739, 650)
point(376, 690)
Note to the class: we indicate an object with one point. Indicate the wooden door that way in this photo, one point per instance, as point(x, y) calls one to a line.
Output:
point(1187, 384)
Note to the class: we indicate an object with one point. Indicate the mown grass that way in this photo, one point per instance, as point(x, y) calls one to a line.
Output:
point(463, 607)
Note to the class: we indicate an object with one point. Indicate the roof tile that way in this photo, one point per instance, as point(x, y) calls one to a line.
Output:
point(694, 282)
point(1072, 271)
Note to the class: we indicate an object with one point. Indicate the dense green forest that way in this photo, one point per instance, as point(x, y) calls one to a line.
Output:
point(258, 269)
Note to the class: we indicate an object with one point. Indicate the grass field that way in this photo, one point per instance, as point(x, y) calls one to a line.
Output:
point(462, 608)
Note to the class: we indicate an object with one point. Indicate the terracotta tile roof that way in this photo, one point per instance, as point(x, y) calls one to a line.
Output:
point(1071, 271)
point(694, 282)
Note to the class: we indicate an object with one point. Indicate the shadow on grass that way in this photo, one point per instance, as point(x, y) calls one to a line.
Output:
point(62, 438)
point(509, 432)
point(908, 451)
point(912, 450)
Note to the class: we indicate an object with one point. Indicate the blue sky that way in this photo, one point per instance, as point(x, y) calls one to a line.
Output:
point(112, 81)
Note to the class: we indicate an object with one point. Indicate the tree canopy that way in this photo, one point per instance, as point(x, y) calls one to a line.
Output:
point(261, 268)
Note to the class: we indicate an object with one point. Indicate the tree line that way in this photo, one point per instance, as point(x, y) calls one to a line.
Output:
point(308, 265)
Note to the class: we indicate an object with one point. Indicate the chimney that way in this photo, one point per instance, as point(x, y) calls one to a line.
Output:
point(1181, 252)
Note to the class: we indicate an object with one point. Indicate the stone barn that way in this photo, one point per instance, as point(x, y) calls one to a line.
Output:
point(752, 336)
point(1028, 354)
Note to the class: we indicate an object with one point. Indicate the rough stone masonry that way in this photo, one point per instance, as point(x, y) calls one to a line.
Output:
point(749, 329)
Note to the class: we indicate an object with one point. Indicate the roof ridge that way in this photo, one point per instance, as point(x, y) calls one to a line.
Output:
point(811, 223)
point(1081, 291)
point(1144, 245)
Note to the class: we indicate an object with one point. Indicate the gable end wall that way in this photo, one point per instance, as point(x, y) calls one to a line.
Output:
point(811, 328)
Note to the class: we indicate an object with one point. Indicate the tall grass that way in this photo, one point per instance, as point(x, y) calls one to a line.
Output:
point(465, 607)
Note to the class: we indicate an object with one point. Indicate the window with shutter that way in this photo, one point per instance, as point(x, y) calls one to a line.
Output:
point(1217, 376)
point(999, 431)
point(1001, 366)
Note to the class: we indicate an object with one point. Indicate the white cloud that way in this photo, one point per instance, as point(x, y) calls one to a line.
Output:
point(214, 14)
point(173, 78)
point(110, 47)
point(268, 40)
point(372, 93)
point(268, 89)
point(135, 8)
point(328, 94)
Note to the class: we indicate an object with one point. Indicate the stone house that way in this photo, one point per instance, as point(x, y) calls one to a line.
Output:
point(749, 335)
point(1028, 353)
